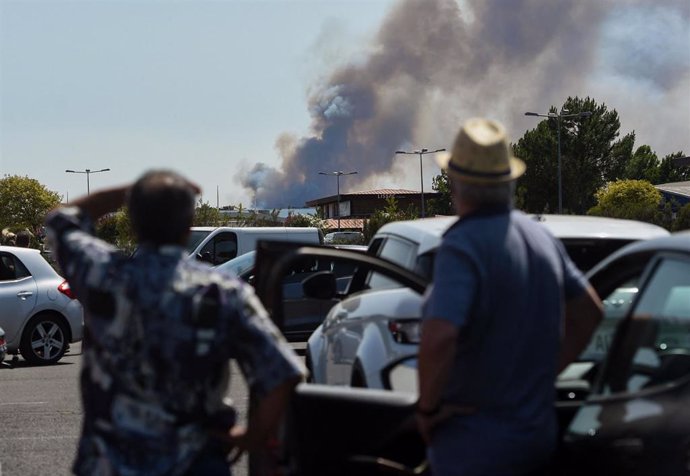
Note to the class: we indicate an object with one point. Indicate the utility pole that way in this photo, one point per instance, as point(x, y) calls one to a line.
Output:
point(420, 152)
point(337, 175)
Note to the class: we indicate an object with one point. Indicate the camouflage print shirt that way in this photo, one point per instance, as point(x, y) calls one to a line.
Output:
point(156, 360)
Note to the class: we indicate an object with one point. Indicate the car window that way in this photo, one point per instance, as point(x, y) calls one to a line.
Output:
point(616, 306)
point(586, 253)
point(222, 248)
point(374, 246)
point(11, 268)
point(654, 346)
point(425, 265)
point(196, 237)
point(401, 252)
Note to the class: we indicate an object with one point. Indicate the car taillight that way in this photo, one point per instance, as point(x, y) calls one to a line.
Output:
point(405, 331)
point(66, 290)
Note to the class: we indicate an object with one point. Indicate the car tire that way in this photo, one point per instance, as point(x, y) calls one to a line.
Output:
point(44, 340)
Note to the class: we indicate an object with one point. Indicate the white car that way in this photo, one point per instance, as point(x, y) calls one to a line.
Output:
point(368, 330)
point(39, 313)
point(354, 237)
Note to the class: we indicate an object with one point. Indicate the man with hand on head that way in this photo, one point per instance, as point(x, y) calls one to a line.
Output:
point(160, 330)
point(506, 312)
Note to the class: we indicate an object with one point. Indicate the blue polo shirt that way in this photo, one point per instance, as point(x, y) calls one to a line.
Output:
point(501, 278)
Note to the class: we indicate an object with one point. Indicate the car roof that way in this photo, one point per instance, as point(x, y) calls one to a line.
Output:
point(585, 226)
point(427, 232)
point(19, 250)
point(32, 259)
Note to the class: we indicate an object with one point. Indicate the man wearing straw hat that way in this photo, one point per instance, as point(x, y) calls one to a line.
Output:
point(507, 310)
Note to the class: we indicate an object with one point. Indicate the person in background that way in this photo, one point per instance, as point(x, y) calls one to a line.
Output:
point(8, 238)
point(23, 239)
point(160, 330)
point(507, 310)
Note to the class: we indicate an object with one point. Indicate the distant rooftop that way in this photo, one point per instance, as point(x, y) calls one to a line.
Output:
point(676, 188)
point(384, 191)
point(377, 193)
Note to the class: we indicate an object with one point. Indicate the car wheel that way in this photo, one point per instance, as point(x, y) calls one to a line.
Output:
point(44, 340)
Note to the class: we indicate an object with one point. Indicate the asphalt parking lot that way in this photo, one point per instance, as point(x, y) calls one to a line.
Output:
point(40, 416)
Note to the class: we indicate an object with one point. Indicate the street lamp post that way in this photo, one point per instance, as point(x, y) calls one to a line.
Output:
point(559, 116)
point(337, 175)
point(420, 152)
point(87, 172)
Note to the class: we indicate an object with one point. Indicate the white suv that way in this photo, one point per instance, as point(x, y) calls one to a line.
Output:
point(368, 330)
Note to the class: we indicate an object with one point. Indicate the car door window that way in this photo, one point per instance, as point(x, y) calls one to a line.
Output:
point(399, 251)
point(12, 268)
point(654, 345)
point(222, 248)
point(616, 306)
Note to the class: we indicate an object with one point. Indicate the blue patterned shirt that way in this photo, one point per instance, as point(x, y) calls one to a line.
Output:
point(156, 359)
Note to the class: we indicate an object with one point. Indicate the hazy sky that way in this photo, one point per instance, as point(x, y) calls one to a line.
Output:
point(266, 94)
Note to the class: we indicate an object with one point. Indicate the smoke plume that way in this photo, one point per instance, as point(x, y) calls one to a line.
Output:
point(435, 64)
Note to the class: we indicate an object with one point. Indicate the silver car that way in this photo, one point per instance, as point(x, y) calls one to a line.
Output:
point(38, 312)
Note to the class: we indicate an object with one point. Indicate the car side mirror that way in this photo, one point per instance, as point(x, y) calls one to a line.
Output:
point(320, 285)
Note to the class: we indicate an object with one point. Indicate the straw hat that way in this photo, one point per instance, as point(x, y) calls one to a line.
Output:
point(481, 154)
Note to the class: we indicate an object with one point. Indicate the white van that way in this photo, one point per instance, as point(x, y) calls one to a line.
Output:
point(216, 245)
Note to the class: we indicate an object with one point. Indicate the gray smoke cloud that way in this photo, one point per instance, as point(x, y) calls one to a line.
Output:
point(435, 64)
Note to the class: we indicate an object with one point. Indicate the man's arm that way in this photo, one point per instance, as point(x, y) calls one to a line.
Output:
point(102, 202)
point(435, 361)
point(265, 418)
point(582, 317)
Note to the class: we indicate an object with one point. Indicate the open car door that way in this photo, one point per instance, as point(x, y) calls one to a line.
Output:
point(337, 430)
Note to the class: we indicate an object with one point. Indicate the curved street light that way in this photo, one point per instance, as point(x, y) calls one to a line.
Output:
point(87, 172)
point(337, 175)
point(420, 152)
point(563, 114)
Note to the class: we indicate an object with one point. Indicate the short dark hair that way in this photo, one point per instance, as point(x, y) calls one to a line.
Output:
point(23, 238)
point(161, 207)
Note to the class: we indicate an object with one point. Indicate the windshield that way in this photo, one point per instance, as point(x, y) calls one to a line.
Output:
point(196, 237)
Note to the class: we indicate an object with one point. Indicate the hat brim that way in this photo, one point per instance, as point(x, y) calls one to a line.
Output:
point(517, 168)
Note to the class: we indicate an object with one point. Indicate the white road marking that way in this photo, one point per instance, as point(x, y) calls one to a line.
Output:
point(23, 403)
point(24, 438)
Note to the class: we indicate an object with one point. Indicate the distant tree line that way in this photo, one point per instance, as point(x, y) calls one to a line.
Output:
point(597, 165)
point(602, 174)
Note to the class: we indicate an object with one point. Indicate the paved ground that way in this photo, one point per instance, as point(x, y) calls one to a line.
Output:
point(40, 416)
